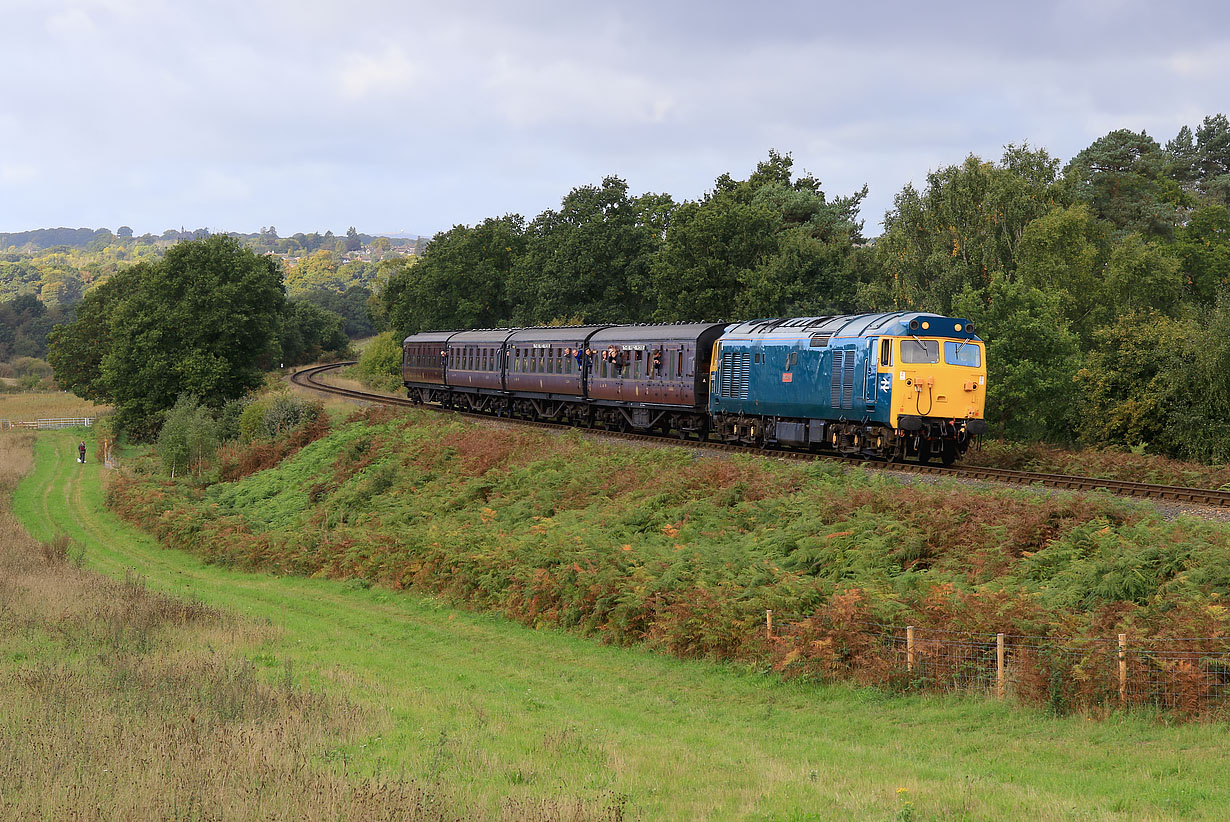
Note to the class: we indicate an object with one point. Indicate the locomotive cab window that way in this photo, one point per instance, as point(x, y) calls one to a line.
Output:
point(920, 351)
point(886, 352)
point(962, 353)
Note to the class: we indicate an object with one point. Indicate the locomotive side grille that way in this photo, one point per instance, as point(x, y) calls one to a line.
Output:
point(734, 375)
point(724, 378)
point(835, 386)
point(847, 381)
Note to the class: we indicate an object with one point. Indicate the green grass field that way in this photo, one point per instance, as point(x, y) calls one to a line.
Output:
point(499, 716)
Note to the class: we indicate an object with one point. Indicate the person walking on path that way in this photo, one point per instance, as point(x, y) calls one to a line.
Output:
point(81, 452)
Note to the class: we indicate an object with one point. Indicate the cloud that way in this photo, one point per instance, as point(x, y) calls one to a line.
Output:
point(314, 114)
point(71, 24)
point(18, 174)
point(361, 76)
point(565, 91)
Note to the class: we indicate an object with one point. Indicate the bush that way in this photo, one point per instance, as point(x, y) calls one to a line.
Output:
point(189, 437)
point(271, 417)
point(380, 365)
point(230, 416)
point(31, 367)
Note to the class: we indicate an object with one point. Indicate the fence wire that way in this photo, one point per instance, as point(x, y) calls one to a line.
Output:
point(1188, 675)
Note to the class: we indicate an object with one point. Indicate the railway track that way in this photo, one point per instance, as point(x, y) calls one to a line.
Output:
point(1168, 493)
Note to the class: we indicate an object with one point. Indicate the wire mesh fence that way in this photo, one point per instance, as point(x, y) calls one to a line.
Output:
point(1185, 675)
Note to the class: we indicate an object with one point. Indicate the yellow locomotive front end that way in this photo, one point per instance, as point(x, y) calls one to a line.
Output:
point(938, 394)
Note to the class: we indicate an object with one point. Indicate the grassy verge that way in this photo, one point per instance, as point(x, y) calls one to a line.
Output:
point(686, 553)
point(543, 725)
point(117, 701)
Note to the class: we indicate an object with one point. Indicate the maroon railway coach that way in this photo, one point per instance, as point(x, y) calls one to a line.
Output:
point(642, 377)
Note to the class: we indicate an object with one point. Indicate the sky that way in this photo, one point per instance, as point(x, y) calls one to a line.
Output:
point(402, 116)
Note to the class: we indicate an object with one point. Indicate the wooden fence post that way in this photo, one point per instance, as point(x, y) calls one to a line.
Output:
point(999, 666)
point(1123, 670)
point(768, 623)
point(909, 648)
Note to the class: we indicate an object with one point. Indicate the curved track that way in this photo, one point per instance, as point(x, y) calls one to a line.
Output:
point(1169, 493)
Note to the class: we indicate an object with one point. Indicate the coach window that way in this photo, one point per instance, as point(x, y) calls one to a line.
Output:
point(920, 351)
point(886, 352)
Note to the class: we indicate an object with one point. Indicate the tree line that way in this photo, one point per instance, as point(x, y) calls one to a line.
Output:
point(1102, 285)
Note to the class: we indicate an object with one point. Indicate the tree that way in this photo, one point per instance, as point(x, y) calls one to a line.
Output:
point(203, 320)
point(318, 270)
point(1133, 382)
point(590, 259)
point(461, 281)
point(1032, 358)
point(188, 438)
point(1064, 253)
point(310, 333)
point(1203, 249)
point(1182, 155)
point(1142, 275)
point(76, 350)
point(965, 228)
point(1123, 178)
point(350, 305)
point(766, 246)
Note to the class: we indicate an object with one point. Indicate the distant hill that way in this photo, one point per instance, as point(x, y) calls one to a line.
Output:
point(47, 237)
point(42, 238)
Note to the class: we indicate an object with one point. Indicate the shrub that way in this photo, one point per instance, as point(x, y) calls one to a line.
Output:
point(380, 365)
point(31, 366)
point(189, 437)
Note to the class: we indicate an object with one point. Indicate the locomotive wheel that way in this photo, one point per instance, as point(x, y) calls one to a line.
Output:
point(948, 454)
point(924, 452)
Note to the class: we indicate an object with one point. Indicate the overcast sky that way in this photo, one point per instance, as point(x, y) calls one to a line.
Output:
point(394, 115)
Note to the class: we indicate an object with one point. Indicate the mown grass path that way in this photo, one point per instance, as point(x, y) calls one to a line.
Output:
point(496, 712)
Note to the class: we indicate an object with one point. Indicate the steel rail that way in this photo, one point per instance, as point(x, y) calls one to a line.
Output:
point(1172, 493)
